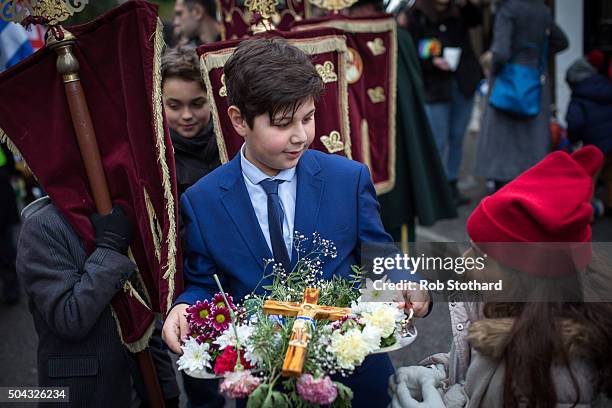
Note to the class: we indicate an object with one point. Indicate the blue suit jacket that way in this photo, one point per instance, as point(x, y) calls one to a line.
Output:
point(335, 197)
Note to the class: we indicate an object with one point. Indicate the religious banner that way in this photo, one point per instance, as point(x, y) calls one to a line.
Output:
point(327, 48)
point(371, 73)
point(119, 59)
point(237, 18)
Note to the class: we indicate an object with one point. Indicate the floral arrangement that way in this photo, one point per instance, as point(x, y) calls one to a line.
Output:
point(246, 346)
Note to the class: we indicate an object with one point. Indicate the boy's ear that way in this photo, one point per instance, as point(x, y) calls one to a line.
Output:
point(198, 11)
point(238, 122)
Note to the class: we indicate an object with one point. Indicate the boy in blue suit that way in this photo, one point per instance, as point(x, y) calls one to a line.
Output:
point(246, 211)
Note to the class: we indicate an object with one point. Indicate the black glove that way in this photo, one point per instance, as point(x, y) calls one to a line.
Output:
point(113, 231)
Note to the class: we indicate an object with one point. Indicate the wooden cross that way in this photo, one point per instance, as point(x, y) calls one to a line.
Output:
point(305, 313)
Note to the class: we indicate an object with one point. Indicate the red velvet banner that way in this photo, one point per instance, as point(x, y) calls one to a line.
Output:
point(119, 58)
point(327, 49)
point(371, 73)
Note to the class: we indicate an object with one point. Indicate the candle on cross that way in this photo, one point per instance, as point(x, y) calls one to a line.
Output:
point(305, 313)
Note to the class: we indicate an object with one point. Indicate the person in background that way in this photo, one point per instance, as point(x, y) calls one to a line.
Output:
point(188, 115)
point(9, 218)
point(451, 73)
point(195, 154)
point(195, 21)
point(510, 144)
point(589, 115)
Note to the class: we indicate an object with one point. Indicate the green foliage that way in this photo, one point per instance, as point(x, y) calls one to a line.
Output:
point(265, 396)
point(345, 396)
point(388, 341)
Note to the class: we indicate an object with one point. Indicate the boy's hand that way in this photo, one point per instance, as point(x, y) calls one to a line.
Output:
point(175, 328)
point(417, 300)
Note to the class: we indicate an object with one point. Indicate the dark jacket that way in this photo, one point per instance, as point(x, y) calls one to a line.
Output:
point(8, 201)
point(451, 30)
point(520, 24)
point(589, 115)
point(194, 157)
point(69, 297)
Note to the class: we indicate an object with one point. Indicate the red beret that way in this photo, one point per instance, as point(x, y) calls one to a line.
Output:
point(549, 203)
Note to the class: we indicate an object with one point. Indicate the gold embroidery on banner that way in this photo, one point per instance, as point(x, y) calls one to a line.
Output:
point(223, 90)
point(333, 143)
point(377, 94)
point(266, 8)
point(327, 72)
point(377, 46)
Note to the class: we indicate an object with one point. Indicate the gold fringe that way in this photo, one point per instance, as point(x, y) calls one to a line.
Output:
point(310, 46)
point(156, 231)
point(138, 345)
point(4, 138)
point(210, 95)
point(344, 105)
point(170, 266)
point(365, 144)
point(143, 287)
point(360, 26)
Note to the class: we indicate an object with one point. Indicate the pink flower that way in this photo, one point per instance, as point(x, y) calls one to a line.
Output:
point(199, 314)
point(346, 322)
point(218, 301)
point(239, 384)
point(321, 391)
point(220, 318)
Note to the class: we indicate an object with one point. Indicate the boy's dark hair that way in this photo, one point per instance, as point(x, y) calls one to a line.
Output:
point(268, 75)
point(210, 6)
point(181, 62)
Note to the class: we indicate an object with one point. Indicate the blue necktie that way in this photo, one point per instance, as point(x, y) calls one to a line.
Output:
point(275, 222)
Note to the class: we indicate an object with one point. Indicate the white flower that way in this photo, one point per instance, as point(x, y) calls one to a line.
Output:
point(228, 337)
point(252, 356)
point(195, 356)
point(371, 294)
point(383, 316)
point(372, 335)
point(350, 348)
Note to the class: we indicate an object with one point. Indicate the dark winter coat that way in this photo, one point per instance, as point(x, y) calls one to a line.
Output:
point(451, 29)
point(69, 297)
point(589, 115)
point(510, 144)
point(194, 157)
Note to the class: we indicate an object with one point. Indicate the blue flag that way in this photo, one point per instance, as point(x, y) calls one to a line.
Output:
point(14, 44)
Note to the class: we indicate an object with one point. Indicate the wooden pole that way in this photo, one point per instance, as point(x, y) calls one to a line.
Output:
point(68, 67)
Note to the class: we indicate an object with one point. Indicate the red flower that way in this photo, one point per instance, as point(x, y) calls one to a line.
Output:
point(227, 361)
point(218, 301)
point(199, 314)
point(220, 318)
